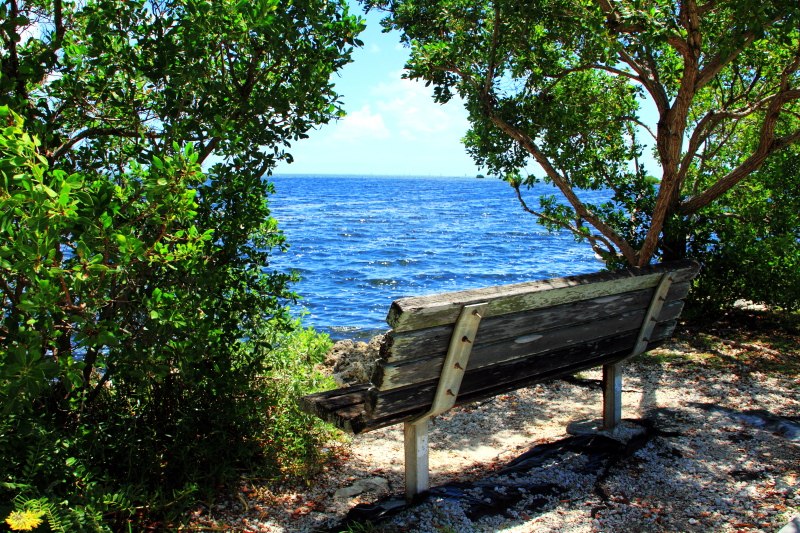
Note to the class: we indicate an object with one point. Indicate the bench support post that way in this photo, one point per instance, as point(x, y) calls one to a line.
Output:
point(455, 364)
point(612, 395)
point(612, 373)
point(416, 456)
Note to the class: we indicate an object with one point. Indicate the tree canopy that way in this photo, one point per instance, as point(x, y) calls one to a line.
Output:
point(567, 84)
point(135, 232)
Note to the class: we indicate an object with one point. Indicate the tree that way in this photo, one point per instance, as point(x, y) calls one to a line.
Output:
point(749, 240)
point(562, 83)
point(139, 310)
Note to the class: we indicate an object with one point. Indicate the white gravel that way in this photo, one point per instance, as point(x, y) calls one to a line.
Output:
point(719, 473)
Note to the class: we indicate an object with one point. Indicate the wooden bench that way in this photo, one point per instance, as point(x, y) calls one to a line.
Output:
point(455, 348)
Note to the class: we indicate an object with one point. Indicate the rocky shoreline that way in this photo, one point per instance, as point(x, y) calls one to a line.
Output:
point(350, 362)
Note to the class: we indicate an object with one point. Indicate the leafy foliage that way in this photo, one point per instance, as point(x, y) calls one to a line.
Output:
point(145, 343)
point(749, 241)
point(562, 84)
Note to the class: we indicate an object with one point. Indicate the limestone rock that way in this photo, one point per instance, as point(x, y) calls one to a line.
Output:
point(350, 362)
point(372, 484)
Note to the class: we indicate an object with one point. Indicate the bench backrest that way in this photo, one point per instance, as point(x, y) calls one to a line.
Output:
point(529, 332)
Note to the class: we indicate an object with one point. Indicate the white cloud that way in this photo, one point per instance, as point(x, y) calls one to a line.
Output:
point(407, 106)
point(375, 49)
point(361, 124)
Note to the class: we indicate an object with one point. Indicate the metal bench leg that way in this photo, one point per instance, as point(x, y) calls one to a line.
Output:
point(612, 374)
point(612, 396)
point(455, 364)
point(416, 447)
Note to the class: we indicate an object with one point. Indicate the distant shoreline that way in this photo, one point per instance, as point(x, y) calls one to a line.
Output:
point(392, 176)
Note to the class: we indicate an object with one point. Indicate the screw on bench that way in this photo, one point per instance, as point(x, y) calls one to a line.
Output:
point(465, 339)
point(477, 314)
point(458, 366)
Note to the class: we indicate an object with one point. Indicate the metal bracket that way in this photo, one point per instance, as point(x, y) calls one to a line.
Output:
point(651, 317)
point(455, 364)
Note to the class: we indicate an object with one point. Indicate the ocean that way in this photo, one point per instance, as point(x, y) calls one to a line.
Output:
point(360, 242)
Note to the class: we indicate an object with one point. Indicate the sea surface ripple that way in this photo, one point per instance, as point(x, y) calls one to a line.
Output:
point(360, 242)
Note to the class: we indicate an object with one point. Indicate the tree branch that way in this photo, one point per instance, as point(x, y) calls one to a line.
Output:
point(640, 123)
point(493, 53)
point(12, 298)
point(58, 22)
point(576, 230)
point(707, 125)
point(720, 61)
point(566, 189)
point(645, 77)
point(767, 145)
point(244, 91)
point(98, 132)
point(749, 165)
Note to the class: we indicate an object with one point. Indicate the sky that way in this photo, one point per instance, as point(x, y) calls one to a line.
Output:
point(392, 127)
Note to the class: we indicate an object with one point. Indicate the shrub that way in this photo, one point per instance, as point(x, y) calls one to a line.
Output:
point(749, 243)
point(136, 374)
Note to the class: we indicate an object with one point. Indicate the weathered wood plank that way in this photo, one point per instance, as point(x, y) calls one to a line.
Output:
point(358, 421)
point(428, 311)
point(527, 381)
point(332, 400)
point(365, 423)
point(353, 418)
point(345, 409)
point(582, 356)
point(400, 346)
point(399, 374)
point(340, 407)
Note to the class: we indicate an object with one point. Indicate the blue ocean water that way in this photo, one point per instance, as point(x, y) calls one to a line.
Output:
point(360, 242)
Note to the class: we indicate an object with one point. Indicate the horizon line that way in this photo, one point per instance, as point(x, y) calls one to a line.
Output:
point(364, 174)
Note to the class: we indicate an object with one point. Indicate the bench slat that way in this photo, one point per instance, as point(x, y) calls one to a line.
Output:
point(434, 310)
point(340, 407)
point(605, 350)
point(401, 346)
point(346, 409)
point(354, 418)
point(402, 373)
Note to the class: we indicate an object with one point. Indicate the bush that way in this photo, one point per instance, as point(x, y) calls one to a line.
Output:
point(749, 244)
point(133, 379)
point(145, 342)
point(132, 462)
